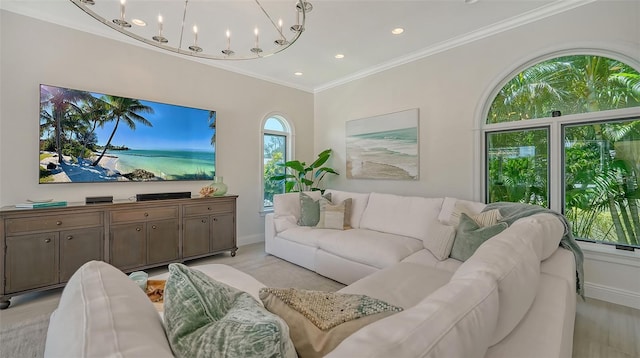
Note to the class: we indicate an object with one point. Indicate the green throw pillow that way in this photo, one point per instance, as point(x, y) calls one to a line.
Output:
point(310, 209)
point(206, 318)
point(470, 235)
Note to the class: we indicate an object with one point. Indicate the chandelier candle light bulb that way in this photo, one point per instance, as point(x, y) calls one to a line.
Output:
point(159, 37)
point(257, 50)
point(195, 47)
point(121, 21)
point(227, 51)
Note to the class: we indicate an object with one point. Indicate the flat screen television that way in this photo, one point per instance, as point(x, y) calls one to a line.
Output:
point(88, 137)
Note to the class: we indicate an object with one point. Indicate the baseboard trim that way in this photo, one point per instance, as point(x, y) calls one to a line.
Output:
point(250, 239)
point(612, 294)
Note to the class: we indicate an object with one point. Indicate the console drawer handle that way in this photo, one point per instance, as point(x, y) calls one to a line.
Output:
point(58, 222)
point(47, 240)
point(69, 237)
point(138, 229)
point(146, 214)
point(154, 227)
point(204, 221)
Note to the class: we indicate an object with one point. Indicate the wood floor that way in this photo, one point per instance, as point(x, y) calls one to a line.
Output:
point(602, 329)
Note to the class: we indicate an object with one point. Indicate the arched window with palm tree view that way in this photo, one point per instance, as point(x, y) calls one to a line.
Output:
point(276, 145)
point(565, 133)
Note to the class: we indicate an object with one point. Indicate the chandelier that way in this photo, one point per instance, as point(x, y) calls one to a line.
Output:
point(211, 29)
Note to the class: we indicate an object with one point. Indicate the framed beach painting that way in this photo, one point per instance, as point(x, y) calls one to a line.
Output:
point(384, 146)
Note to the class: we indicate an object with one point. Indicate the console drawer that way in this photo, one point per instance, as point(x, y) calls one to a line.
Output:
point(209, 208)
point(52, 222)
point(147, 214)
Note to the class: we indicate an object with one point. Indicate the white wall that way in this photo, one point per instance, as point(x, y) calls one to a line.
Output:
point(451, 88)
point(35, 52)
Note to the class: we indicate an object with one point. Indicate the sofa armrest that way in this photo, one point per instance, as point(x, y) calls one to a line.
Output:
point(269, 232)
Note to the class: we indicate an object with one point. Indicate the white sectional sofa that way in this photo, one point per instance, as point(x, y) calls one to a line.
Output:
point(514, 297)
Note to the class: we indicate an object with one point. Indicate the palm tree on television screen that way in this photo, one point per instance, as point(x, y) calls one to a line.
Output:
point(61, 101)
point(125, 110)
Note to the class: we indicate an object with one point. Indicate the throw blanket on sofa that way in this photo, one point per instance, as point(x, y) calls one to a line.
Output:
point(513, 211)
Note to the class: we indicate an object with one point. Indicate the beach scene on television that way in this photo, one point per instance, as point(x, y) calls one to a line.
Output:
point(92, 137)
point(383, 147)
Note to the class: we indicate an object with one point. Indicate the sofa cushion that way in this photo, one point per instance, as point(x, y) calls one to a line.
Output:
point(358, 204)
point(307, 235)
point(510, 258)
point(204, 317)
point(457, 320)
point(401, 215)
point(310, 209)
point(549, 230)
point(440, 240)
point(102, 313)
point(288, 204)
point(403, 284)
point(318, 321)
point(373, 248)
point(546, 330)
point(285, 222)
point(452, 208)
point(469, 236)
point(426, 258)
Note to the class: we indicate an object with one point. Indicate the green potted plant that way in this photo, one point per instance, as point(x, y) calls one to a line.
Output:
point(300, 177)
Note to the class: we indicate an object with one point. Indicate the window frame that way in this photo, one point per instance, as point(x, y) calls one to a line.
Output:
point(555, 125)
point(288, 133)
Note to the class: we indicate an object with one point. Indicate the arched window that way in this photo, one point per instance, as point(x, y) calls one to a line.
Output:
point(565, 133)
point(276, 149)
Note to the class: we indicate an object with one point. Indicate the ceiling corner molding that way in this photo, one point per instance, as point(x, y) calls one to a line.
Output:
point(540, 13)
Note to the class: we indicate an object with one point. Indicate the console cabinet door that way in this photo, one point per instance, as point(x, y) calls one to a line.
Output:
point(31, 261)
point(224, 232)
point(78, 247)
point(163, 240)
point(128, 245)
point(195, 237)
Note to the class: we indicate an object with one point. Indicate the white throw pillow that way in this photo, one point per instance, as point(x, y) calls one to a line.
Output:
point(440, 240)
point(103, 313)
point(452, 208)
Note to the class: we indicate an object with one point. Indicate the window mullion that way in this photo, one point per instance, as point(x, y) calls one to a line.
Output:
point(555, 167)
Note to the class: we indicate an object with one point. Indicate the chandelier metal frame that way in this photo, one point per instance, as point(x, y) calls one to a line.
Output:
point(122, 25)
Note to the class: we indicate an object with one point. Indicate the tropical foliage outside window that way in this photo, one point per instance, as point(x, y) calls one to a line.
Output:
point(275, 148)
point(518, 166)
point(599, 154)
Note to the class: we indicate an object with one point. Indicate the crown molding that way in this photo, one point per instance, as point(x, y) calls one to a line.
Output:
point(545, 11)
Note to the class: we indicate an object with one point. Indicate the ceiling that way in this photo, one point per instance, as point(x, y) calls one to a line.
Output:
point(359, 29)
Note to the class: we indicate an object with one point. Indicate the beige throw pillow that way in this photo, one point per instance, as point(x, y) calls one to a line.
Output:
point(318, 321)
point(335, 216)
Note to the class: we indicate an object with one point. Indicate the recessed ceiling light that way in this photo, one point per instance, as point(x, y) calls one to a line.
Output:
point(298, 73)
point(339, 55)
point(470, 1)
point(397, 31)
point(139, 22)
